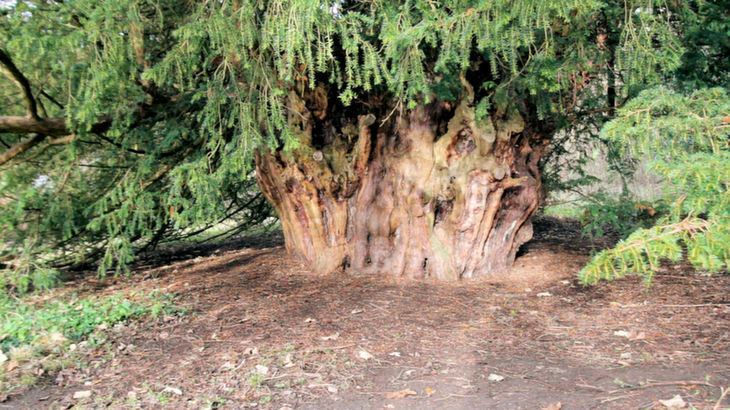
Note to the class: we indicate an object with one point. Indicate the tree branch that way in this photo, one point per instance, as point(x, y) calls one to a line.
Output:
point(13, 73)
point(62, 140)
point(30, 124)
point(41, 128)
point(20, 148)
point(54, 127)
point(120, 146)
point(51, 99)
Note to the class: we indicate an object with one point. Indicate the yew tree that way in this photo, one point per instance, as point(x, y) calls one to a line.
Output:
point(400, 138)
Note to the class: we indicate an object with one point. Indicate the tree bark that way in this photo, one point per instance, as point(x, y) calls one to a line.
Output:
point(435, 193)
point(25, 125)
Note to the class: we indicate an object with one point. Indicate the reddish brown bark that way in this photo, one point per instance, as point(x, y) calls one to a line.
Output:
point(419, 196)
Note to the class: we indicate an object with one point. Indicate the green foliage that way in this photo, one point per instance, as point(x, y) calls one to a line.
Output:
point(639, 62)
point(686, 136)
point(22, 323)
point(621, 214)
point(707, 45)
point(154, 175)
point(28, 274)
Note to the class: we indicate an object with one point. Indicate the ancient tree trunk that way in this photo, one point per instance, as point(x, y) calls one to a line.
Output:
point(429, 193)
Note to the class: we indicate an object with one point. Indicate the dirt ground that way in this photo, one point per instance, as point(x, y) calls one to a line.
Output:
point(263, 332)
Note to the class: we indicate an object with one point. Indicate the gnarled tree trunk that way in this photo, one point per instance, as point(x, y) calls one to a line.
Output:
point(429, 193)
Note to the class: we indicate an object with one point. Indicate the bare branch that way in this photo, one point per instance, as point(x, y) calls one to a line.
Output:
point(62, 140)
point(21, 147)
point(41, 129)
point(118, 145)
point(51, 99)
point(53, 127)
point(13, 73)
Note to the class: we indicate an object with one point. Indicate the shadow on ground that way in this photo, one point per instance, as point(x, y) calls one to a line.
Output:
point(265, 332)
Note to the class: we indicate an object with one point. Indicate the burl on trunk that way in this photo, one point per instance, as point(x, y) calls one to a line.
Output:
point(432, 192)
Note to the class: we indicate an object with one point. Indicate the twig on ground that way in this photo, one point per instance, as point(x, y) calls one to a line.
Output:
point(378, 307)
point(450, 395)
point(323, 348)
point(588, 386)
point(610, 399)
point(697, 305)
point(723, 392)
point(662, 384)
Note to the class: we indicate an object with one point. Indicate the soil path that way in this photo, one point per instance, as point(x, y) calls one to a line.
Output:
point(263, 332)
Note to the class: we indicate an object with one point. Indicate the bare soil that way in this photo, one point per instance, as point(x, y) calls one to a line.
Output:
point(262, 331)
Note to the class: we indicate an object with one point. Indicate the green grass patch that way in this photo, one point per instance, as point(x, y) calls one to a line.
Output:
point(44, 337)
point(23, 323)
point(571, 210)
